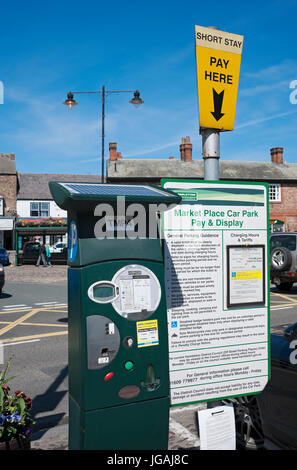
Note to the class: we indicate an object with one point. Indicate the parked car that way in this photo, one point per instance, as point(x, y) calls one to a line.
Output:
point(269, 420)
point(57, 247)
point(283, 259)
point(4, 257)
point(2, 278)
point(30, 254)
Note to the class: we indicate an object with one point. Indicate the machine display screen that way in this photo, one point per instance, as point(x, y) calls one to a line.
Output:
point(103, 292)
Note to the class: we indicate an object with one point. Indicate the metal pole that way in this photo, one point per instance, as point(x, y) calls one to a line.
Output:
point(102, 150)
point(211, 153)
point(16, 247)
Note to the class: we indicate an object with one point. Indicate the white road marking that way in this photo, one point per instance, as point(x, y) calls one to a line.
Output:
point(21, 342)
point(45, 303)
point(10, 306)
point(281, 308)
point(51, 304)
point(7, 309)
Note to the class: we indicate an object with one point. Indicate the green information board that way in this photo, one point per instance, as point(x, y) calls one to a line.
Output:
point(217, 285)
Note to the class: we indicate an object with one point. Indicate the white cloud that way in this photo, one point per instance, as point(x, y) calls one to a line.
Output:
point(265, 119)
point(266, 88)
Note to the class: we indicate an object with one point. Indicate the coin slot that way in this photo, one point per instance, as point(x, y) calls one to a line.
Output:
point(128, 342)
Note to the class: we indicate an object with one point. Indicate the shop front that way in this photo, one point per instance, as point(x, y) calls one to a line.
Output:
point(6, 232)
point(276, 225)
point(47, 232)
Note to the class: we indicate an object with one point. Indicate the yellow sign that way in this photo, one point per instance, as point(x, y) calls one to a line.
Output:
point(147, 333)
point(243, 275)
point(218, 56)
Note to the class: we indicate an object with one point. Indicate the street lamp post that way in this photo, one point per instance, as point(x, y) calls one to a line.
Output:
point(70, 102)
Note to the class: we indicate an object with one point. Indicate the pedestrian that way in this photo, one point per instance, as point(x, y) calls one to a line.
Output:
point(41, 255)
point(48, 255)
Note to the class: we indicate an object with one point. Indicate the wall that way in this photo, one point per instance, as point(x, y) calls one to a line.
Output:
point(23, 209)
point(286, 210)
point(8, 188)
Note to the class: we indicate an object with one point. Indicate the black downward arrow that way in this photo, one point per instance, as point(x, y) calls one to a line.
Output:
point(217, 104)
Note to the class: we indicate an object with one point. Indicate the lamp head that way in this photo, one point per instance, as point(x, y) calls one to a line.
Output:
point(70, 101)
point(136, 101)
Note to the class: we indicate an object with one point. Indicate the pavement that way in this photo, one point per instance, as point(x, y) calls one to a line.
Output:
point(183, 433)
point(31, 273)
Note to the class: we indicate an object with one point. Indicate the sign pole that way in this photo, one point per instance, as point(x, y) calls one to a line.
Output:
point(211, 153)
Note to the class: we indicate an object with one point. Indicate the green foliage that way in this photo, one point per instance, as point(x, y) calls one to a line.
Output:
point(14, 410)
point(3, 375)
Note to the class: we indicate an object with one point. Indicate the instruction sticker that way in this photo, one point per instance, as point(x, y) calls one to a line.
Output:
point(147, 333)
point(245, 275)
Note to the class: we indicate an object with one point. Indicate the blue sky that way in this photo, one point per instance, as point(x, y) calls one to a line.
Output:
point(49, 48)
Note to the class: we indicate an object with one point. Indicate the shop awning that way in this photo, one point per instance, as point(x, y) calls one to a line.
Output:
point(41, 230)
point(276, 222)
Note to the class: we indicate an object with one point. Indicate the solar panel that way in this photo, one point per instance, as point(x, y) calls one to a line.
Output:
point(113, 189)
point(69, 195)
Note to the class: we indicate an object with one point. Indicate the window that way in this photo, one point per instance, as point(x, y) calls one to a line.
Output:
point(287, 241)
point(39, 209)
point(276, 226)
point(274, 193)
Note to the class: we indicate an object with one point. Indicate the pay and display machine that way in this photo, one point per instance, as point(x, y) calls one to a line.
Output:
point(118, 337)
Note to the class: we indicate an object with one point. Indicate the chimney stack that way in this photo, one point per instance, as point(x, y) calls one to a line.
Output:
point(112, 151)
point(277, 155)
point(188, 150)
point(182, 149)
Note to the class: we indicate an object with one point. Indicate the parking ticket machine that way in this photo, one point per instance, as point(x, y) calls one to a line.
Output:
point(118, 338)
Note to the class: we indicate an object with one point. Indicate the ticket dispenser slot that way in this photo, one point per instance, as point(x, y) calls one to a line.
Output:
point(103, 341)
point(151, 382)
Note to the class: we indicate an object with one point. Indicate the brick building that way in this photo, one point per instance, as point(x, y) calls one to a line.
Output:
point(283, 194)
point(38, 216)
point(27, 195)
point(281, 176)
point(8, 190)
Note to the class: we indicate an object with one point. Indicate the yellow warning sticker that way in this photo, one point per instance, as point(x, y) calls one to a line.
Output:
point(147, 333)
point(243, 275)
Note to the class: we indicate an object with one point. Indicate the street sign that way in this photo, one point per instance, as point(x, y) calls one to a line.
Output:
point(217, 287)
point(218, 57)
